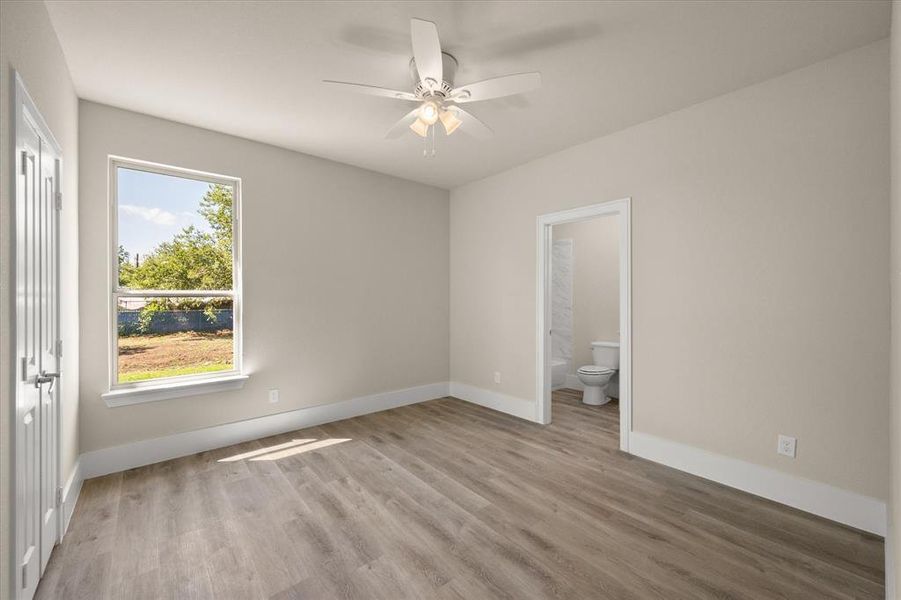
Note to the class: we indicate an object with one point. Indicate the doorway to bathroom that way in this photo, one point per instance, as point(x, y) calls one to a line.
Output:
point(584, 325)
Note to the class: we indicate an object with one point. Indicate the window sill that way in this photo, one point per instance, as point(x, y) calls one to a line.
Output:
point(139, 395)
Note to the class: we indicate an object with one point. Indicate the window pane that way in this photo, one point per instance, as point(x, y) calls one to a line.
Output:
point(171, 337)
point(174, 233)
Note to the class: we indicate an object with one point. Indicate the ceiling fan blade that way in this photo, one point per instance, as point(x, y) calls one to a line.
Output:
point(496, 87)
point(402, 126)
point(371, 90)
point(427, 52)
point(471, 124)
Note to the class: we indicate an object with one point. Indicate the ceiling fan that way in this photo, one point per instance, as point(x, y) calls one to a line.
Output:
point(434, 90)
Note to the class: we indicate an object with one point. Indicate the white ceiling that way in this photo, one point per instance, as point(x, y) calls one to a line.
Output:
point(253, 69)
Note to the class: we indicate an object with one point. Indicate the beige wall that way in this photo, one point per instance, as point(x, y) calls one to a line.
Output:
point(28, 44)
point(345, 277)
point(760, 248)
point(894, 543)
point(595, 283)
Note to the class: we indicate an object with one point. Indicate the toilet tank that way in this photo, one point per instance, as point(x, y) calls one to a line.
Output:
point(605, 354)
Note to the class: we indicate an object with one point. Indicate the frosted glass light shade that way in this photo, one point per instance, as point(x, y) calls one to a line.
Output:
point(450, 121)
point(420, 127)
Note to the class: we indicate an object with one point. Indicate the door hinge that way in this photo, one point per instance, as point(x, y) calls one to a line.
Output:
point(59, 348)
point(59, 200)
point(59, 497)
point(24, 162)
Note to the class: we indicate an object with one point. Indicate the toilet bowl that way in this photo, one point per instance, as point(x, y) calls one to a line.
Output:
point(595, 380)
point(595, 377)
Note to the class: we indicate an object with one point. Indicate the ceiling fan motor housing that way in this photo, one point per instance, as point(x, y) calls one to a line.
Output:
point(443, 88)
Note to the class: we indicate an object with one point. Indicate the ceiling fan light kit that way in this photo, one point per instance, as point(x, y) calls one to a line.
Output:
point(433, 73)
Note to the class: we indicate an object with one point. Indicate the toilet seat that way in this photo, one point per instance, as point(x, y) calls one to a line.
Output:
point(594, 370)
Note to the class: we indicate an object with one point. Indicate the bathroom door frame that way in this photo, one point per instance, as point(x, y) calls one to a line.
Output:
point(622, 208)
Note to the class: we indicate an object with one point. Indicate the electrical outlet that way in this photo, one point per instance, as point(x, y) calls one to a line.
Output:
point(273, 396)
point(787, 446)
point(497, 377)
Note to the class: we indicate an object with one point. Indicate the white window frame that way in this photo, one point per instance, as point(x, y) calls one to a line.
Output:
point(181, 385)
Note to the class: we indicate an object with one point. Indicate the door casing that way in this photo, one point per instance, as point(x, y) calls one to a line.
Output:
point(622, 208)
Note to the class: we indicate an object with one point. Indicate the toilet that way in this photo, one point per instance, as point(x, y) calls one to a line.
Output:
point(596, 377)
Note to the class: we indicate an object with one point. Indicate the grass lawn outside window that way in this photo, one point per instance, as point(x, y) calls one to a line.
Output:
point(143, 357)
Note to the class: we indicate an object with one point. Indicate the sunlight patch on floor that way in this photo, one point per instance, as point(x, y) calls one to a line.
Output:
point(301, 449)
point(266, 450)
point(278, 451)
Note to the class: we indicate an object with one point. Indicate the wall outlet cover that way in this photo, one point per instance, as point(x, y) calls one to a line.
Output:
point(787, 446)
point(497, 377)
point(273, 396)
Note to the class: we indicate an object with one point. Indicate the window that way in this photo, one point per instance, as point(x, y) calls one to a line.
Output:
point(175, 302)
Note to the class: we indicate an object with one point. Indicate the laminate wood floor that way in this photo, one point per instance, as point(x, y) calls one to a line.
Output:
point(446, 500)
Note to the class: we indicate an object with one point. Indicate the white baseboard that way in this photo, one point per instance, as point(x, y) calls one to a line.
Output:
point(573, 382)
point(855, 510)
point(145, 452)
point(524, 409)
point(70, 496)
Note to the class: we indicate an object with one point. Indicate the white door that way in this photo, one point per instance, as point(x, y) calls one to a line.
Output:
point(37, 344)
